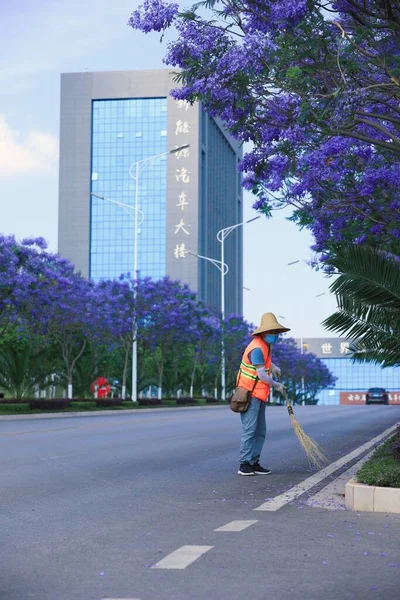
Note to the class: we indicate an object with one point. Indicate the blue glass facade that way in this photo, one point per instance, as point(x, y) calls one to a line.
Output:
point(220, 206)
point(357, 377)
point(125, 131)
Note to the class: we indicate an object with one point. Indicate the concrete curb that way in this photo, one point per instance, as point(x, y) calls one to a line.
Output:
point(372, 498)
point(97, 413)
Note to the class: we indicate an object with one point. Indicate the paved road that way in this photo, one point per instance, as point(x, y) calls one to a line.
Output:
point(89, 505)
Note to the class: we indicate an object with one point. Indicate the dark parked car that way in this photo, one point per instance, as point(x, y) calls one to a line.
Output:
point(376, 396)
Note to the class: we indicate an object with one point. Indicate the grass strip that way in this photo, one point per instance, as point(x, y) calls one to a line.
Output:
point(383, 468)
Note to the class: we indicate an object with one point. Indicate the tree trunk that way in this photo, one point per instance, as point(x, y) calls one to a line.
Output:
point(125, 371)
point(69, 386)
point(192, 380)
point(160, 378)
point(160, 368)
point(70, 364)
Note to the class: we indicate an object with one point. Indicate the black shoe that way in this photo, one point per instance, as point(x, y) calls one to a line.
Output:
point(259, 470)
point(245, 469)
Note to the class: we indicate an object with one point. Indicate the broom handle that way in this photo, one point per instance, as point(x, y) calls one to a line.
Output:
point(288, 404)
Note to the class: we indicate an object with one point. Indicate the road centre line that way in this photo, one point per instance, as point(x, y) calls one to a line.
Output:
point(236, 526)
point(296, 491)
point(182, 558)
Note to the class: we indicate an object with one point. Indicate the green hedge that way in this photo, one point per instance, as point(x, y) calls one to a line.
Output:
point(382, 469)
point(12, 409)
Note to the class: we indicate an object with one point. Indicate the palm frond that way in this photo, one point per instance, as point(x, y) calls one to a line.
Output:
point(368, 297)
point(367, 275)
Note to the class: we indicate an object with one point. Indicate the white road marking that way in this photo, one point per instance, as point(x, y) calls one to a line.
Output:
point(182, 558)
point(331, 496)
point(296, 491)
point(120, 599)
point(236, 526)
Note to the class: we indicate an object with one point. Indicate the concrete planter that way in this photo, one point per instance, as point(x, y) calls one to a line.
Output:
point(372, 498)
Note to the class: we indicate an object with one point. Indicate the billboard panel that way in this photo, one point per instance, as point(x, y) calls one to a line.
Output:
point(359, 397)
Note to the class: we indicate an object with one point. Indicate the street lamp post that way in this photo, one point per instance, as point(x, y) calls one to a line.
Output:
point(221, 266)
point(126, 208)
point(221, 237)
point(138, 167)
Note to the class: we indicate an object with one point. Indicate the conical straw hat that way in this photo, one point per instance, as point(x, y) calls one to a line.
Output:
point(270, 324)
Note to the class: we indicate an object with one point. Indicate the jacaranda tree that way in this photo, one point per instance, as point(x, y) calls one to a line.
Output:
point(173, 321)
point(314, 85)
point(60, 329)
point(116, 302)
point(302, 374)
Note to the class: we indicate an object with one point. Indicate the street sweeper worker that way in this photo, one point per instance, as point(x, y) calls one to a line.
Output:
point(256, 375)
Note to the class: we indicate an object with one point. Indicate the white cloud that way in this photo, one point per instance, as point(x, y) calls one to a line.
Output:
point(36, 152)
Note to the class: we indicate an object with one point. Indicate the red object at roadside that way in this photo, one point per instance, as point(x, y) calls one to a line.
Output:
point(101, 386)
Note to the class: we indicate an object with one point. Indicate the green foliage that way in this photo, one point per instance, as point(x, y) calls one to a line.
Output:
point(368, 297)
point(83, 406)
point(382, 469)
point(95, 361)
point(293, 72)
point(22, 367)
point(12, 409)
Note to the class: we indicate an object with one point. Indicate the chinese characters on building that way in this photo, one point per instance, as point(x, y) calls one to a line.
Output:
point(360, 397)
point(182, 176)
point(326, 348)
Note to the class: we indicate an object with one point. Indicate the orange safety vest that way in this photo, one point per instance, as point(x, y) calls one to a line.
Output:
point(248, 374)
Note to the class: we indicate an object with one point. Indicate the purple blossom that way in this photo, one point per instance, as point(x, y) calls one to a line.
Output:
point(320, 112)
point(153, 15)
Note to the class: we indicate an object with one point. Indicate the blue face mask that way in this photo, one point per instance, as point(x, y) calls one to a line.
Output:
point(271, 338)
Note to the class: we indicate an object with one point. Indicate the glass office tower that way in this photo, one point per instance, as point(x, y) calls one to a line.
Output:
point(109, 122)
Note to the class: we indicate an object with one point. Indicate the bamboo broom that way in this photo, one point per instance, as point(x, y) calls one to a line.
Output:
point(314, 453)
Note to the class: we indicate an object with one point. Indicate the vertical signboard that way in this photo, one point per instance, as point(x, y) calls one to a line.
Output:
point(182, 191)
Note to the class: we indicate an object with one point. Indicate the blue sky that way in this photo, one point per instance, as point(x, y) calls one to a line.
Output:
point(43, 39)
